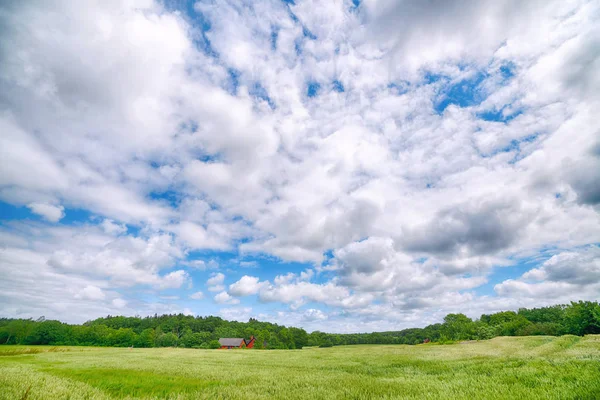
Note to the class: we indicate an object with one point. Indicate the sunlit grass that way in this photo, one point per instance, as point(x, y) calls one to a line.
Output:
point(502, 368)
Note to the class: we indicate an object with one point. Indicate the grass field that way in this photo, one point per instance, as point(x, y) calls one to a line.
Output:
point(567, 367)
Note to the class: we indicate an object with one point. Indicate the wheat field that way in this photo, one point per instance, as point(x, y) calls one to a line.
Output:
point(565, 367)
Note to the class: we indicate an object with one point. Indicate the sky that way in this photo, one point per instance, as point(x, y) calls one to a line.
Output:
point(344, 166)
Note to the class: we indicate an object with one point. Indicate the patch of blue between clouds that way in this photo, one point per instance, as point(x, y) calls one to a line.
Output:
point(507, 71)
point(516, 144)
point(73, 216)
point(274, 36)
point(515, 271)
point(506, 113)
point(293, 16)
point(299, 42)
point(355, 3)
point(308, 34)
point(399, 88)
point(9, 212)
point(265, 267)
point(327, 256)
point(338, 86)
point(169, 197)
point(196, 19)
point(464, 93)
point(499, 115)
point(191, 126)
point(513, 146)
point(233, 81)
point(258, 91)
point(209, 158)
point(312, 89)
point(430, 77)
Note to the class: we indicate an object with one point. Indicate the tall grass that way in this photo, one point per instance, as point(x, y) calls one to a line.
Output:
point(13, 350)
point(502, 368)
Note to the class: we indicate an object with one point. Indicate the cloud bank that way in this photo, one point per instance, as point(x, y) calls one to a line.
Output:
point(377, 163)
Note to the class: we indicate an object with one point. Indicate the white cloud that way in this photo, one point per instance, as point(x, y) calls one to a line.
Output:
point(91, 293)
point(88, 251)
point(246, 286)
point(566, 275)
point(395, 205)
point(249, 264)
point(119, 303)
point(201, 264)
point(579, 267)
point(173, 280)
point(197, 296)
point(216, 288)
point(241, 314)
point(197, 237)
point(225, 298)
point(216, 278)
point(113, 228)
point(48, 211)
point(313, 314)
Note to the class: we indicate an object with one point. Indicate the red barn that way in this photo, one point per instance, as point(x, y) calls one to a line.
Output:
point(236, 343)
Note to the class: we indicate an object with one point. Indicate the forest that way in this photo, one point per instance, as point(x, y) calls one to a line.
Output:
point(576, 318)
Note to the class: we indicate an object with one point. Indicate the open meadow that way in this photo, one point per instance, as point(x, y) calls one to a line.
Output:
point(565, 367)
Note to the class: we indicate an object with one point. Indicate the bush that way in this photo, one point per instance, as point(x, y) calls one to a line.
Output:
point(214, 344)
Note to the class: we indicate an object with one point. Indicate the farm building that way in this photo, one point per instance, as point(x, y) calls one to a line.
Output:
point(239, 343)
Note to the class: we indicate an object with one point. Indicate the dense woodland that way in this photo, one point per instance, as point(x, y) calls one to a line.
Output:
point(203, 332)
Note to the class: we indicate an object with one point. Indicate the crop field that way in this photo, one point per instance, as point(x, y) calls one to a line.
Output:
point(565, 367)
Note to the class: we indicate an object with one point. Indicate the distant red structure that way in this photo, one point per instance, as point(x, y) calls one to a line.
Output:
point(237, 343)
point(426, 341)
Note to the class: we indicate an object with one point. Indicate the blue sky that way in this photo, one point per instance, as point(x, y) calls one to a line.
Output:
point(348, 167)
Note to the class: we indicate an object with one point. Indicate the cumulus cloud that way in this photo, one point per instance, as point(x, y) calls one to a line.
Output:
point(201, 264)
point(225, 298)
point(246, 286)
point(564, 275)
point(242, 314)
point(581, 267)
point(298, 293)
point(197, 296)
point(48, 211)
point(113, 228)
point(398, 156)
point(126, 261)
point(313, 314)
point(216, 278)
point(119, 303)
point(215, 282)
point(91, 293)
point(80, 267)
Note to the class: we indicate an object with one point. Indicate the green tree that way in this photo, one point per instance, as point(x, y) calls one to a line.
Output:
point(146, 338)
point(581, 318)
point(48, 332)
point(458, 327)
point(167, 340)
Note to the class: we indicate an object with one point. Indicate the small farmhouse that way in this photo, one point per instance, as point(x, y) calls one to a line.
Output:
point(239, 343)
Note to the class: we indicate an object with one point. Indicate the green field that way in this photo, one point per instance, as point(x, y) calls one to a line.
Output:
point(566, 367)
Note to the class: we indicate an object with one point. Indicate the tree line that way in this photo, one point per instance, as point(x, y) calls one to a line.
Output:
point(577, 318)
